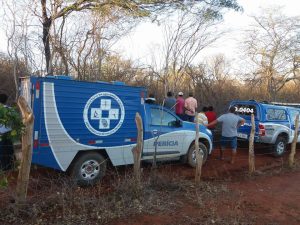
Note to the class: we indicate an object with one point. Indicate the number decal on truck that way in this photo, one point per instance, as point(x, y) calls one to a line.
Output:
point(244, 110)
point(104, 113)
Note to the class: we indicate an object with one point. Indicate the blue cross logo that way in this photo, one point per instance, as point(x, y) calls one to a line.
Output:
point(107, 118)
point(97, 114)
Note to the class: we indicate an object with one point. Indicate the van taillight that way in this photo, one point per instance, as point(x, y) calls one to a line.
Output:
point(262, 130)
point(37, 85)
point(37, 89)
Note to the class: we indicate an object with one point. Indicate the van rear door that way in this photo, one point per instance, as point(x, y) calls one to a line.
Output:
point(244, 110)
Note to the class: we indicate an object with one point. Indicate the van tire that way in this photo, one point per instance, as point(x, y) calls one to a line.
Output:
point(88, 169)
point(191, 157)
point(279, 146)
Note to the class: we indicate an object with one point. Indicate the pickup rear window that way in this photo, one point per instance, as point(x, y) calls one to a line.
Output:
point(245, 109)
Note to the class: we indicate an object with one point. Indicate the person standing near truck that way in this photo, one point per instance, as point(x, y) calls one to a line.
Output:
point(202, 119)
point(211, 116)
point(190, 106)
point(180, 106)
point(170, 101)
point(230, 123)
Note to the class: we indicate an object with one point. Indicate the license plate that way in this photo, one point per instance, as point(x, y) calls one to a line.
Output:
point(241, 135)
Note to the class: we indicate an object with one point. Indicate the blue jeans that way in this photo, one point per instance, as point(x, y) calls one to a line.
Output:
point(181, 116)
point(232, 141)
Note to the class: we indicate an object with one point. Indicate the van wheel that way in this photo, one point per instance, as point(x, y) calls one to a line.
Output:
point(89, 168)
point(191, 157)
point(279, 146)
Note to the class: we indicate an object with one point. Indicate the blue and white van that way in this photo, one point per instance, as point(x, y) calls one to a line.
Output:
point(274, 122)
point(81, 126)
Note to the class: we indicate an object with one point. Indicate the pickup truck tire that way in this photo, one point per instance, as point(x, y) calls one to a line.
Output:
point(279, 146)
point(191, 157)
point(88, 169)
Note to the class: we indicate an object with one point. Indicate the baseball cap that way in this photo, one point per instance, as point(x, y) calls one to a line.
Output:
point(180, 93)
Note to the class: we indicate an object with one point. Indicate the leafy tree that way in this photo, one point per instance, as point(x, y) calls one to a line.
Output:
point(55, 9)
point(273, 46)
point(7, 79)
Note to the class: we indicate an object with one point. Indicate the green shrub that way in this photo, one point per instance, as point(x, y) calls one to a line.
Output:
point(10, 117)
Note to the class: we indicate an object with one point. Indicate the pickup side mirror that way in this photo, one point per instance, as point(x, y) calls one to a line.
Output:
point(178, 123)
point(175, 123)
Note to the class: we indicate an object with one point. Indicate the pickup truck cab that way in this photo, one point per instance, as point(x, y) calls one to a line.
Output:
point(81, 126)
point(275, 124)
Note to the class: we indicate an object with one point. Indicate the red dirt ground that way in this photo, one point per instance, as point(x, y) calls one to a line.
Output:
point(270, 197)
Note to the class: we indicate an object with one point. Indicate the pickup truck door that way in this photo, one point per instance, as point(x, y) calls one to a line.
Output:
point(163, 132)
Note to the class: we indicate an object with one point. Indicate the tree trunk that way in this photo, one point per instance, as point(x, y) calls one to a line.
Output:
point(47, 21)
point(137, 150)
point(23, 177)
point(294, 143)
point(251, 146)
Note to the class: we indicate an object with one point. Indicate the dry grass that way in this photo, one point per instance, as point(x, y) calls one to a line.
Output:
point(55, 199)
point(59, 201)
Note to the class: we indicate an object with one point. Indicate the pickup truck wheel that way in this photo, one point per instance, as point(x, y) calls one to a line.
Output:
point(279, 146)
point(89, 168)
point(192, 154)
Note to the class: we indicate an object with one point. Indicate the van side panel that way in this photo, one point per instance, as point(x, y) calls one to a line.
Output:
point(79, 116)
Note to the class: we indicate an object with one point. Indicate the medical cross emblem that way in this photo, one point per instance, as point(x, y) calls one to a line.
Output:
point(97, 114)
point(105, 114)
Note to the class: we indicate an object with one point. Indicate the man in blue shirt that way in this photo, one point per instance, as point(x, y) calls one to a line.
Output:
point(170, 101)
point(230, 123)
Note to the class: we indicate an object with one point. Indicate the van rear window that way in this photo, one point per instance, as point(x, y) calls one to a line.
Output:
point(244, 109)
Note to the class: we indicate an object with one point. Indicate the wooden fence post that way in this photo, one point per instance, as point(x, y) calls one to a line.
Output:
point(251, 146)
point(199, 158)
point(23, 176)
point(294, 143)
point(137, 150)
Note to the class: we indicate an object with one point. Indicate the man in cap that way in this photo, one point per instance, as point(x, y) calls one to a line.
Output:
point(180, 105)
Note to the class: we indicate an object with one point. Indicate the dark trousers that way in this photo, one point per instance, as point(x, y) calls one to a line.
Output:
point(6, 154)
point(181, 116)
point(189, 118)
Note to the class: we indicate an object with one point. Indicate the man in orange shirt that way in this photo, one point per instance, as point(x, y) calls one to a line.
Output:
point(190, 106)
